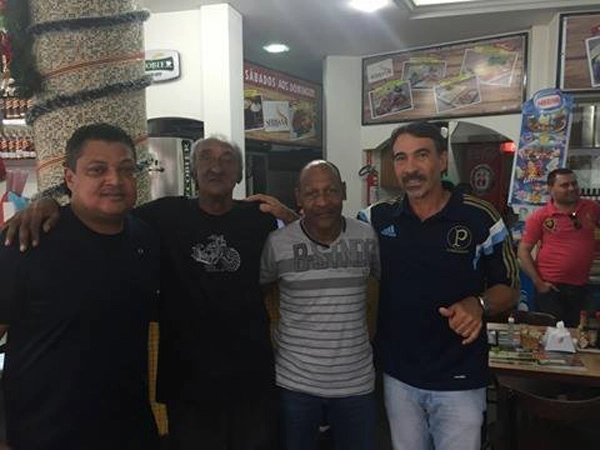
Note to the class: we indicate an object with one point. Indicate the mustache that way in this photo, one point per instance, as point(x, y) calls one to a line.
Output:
point(111, 191)
point(414, 176)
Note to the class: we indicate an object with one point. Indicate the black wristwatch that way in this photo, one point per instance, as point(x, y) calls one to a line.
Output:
point(485, 304)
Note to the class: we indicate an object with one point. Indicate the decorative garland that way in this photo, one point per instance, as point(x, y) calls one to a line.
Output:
point(64, 101)
point(23, 68)
point(89, 22)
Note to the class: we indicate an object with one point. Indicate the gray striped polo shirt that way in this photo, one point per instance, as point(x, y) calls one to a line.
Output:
point(322, 340)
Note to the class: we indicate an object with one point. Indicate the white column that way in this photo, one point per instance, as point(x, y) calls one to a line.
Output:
point(342, 91)
point(223, 86)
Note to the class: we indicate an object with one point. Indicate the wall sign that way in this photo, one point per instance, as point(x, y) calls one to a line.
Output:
point(481, 77)
point(162, 65)
point(280, 108)
point(579, 50)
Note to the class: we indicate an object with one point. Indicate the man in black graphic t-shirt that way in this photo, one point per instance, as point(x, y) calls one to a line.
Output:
point(77, 310)
point(216, 371)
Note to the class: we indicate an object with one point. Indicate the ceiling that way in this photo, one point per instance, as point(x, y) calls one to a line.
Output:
point(314, 29)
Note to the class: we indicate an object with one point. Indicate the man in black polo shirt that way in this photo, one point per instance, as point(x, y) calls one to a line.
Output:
point(77, 310)
point(446, 259)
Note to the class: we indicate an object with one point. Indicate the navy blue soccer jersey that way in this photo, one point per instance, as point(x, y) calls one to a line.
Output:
point(459, 252)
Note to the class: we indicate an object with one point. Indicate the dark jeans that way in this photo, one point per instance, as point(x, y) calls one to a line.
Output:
point(352, 421)
point(217, 425)
point(566, 304)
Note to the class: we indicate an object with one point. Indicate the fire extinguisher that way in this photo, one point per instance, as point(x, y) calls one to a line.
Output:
point(371, 177)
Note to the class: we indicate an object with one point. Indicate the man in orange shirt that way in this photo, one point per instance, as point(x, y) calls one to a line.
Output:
point(565, 230)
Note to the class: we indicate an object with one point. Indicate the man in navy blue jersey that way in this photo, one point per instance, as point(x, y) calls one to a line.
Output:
point(446, 260)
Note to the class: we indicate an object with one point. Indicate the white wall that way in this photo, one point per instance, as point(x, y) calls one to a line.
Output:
point(342, 92)
point(179, 31)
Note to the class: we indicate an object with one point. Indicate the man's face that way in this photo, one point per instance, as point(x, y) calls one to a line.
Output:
point(418, 165)
point(103, 185)
point(217, 170)
point(320, 195)
point(565, 190)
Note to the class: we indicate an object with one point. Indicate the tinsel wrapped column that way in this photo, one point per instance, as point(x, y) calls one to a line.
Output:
point(90, 56)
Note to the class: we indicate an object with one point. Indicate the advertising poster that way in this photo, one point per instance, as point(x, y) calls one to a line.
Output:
point(543, 144)
point(579, 50)
point(389, 98)
point(457, 92)
point(282, 109)
point(493, 65)
point(593, 56)
point(469, 78)
point(423, 73)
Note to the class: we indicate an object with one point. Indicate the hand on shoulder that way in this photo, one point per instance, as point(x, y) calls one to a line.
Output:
point(271, 205)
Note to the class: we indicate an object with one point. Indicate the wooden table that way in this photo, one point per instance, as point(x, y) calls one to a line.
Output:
point(511, 375)
point(590, 376)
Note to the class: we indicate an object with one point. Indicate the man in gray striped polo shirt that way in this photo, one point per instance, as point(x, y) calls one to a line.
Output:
point(324, 360)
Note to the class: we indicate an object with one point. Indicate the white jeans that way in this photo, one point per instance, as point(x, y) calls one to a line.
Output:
point(422, 419)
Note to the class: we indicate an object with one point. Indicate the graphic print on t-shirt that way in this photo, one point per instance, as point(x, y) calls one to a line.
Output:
point(216, 255)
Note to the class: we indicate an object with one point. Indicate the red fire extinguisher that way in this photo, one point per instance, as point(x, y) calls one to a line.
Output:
point(371, 177)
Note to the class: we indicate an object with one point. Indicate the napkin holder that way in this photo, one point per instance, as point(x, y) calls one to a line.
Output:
point(558, 339)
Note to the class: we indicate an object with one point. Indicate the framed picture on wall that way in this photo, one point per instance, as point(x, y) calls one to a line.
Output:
point(468, 78)
point(579, 52)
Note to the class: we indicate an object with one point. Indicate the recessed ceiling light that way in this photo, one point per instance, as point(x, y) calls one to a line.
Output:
point(437, 2)
point(276, 48)
point(369, 5)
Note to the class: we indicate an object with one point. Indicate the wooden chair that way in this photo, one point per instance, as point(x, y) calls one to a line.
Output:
point(539, 418)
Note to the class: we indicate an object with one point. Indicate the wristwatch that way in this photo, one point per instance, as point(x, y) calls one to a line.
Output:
point(485, 304)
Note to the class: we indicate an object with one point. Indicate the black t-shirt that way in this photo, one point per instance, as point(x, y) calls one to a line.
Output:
point(214, 327)
point(78, 307)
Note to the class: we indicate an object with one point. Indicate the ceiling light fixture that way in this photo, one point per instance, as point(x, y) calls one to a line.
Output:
point(276, 47)
point(437, 2)
point(427, 9)
point(369, 6)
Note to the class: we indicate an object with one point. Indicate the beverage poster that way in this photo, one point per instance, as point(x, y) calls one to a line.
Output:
point(469, 78)
point(543, 144)
point(281, 109)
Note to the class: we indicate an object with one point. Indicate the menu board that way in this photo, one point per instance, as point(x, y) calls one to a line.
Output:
point(280, 108)
point(473, 78)
point(579, 49)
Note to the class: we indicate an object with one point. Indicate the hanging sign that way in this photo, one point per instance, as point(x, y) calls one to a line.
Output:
point(162, 65)
point(280, 108)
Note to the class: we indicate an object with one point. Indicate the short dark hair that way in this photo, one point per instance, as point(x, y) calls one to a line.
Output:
point(423, 130)
point(94, 132)
point(562, 171)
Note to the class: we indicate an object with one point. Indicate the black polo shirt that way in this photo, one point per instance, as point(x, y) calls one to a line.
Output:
point(459, 252)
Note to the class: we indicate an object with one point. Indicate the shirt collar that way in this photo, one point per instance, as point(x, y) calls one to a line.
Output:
point(554, 210)
point(403, 207)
